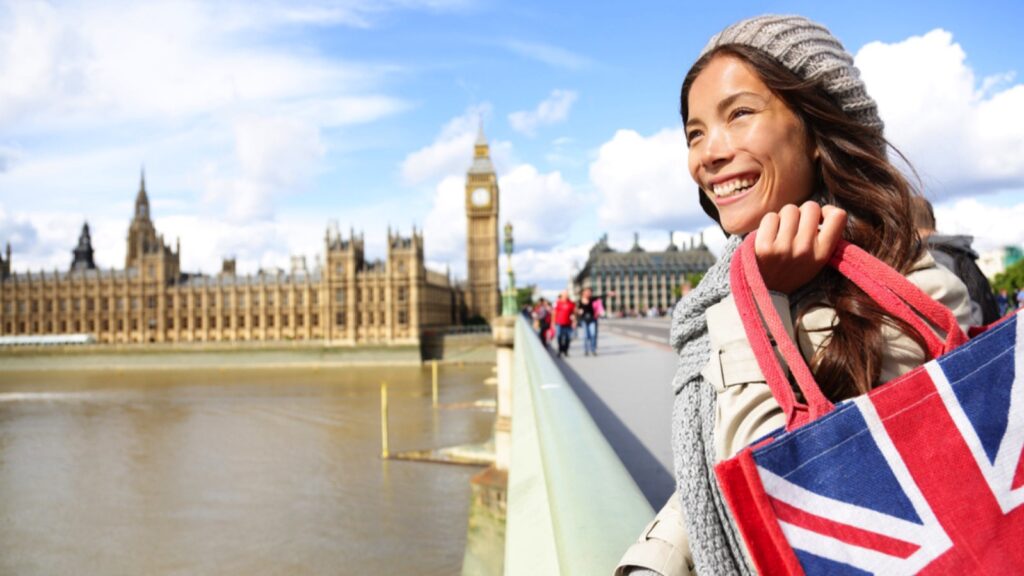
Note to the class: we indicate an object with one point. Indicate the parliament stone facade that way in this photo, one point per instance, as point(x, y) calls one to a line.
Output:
point(637, 281)
point(346, 300)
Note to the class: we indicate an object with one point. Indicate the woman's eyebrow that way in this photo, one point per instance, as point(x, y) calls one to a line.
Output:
point(732, 98)
point(726, 102)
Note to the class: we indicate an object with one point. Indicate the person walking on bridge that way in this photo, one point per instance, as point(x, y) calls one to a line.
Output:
point(783, 139)
point(565, 322)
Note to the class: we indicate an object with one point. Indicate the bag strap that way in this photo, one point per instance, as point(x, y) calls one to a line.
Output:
point(746, 289)
point(887, 287)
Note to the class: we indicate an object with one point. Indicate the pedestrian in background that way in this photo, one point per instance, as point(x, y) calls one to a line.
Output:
point(1003, 301)
point(587, 312)
point(565, 322)
point(542, 320)
point(956, 255)
point(784, 140)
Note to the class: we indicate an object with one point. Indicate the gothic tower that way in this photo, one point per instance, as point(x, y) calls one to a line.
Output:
point(142, 238)
point(83, 253)
point(482, 233)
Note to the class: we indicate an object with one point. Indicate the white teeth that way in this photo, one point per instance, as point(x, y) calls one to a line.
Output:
point(732, 186)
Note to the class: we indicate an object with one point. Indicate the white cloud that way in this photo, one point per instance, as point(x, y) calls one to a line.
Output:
point(992, 226)
point(549, 54)
point(452, 151)
point(549, 269)
point(644, 182)
point(964, 136)
point(444, 229)
point(84, 65)
point(554, 109)
point(275, 155)
point(541, 207)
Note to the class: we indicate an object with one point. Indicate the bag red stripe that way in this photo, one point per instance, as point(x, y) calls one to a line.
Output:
point(843, 532)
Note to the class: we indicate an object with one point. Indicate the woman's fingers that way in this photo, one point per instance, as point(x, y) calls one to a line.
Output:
point(832, 226)
point(807, 230)
point(794, 244)
point(766, 233)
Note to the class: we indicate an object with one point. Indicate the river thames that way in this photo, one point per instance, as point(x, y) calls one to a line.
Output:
point(233, 472)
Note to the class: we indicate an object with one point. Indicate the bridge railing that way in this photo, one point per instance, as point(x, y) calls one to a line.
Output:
point(573, 509)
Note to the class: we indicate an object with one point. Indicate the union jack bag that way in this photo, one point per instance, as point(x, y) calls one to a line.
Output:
point(922, 475)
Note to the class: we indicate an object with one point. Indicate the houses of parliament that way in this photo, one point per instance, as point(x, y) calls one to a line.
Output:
point(346, 300)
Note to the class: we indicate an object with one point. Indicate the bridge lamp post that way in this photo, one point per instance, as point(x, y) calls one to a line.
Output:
point(509, 302)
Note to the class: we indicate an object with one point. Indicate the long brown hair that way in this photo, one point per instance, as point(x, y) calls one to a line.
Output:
point(853, 173)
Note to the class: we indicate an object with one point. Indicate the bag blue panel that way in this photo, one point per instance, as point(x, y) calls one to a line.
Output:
point(981, 373)
point(836, 457)
point(817, 565)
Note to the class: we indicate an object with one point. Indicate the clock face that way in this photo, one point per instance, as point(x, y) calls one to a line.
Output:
point(481, 197)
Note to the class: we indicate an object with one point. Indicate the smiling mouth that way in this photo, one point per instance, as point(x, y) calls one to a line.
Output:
point(733, 187)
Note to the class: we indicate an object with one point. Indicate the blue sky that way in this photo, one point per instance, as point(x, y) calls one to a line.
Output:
point(262, 123)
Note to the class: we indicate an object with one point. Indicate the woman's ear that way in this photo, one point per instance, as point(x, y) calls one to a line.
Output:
point(816, 155)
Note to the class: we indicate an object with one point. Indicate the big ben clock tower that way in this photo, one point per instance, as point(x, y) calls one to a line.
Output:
point(482, 233)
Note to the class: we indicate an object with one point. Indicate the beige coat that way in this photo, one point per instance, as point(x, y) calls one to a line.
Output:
point(745, 407)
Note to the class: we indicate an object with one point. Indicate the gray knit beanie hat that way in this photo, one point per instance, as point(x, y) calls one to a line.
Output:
point(810, 51)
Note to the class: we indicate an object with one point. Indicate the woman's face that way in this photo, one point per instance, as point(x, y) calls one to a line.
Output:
point(748, 151)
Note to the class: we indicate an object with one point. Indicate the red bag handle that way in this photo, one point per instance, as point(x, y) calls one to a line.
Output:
point(887, 287)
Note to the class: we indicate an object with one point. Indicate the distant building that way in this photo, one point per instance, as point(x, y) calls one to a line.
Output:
point(641, 280)
point(997, 261)
point(346, 299)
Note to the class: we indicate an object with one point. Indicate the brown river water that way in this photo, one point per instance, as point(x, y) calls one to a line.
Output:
point(233, 472)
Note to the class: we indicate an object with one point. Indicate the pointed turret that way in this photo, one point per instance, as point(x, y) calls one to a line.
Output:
point(481, 154)
point(142, 199)
point(636, 243)
point(671, 243)
point(83, 253)
point(5, 263)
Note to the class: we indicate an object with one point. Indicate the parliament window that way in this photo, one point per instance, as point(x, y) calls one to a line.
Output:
point(284, 320)
point(270, 321)
point(298, 298)
point(241, 321)
point(255, 321)
point(298, 320)
point(314, 320)
point(339, 296)
point(339, 318)
point(401, 317)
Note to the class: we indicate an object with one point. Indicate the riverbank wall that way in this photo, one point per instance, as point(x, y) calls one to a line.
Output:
point(466, 348)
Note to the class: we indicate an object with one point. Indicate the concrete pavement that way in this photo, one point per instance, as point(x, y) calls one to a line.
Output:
point(627, 390)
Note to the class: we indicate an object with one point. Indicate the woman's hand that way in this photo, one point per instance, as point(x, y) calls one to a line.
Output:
point(790, 247)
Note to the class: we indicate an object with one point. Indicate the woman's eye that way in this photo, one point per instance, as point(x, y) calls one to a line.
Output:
point(740, 112)
point(691, 135)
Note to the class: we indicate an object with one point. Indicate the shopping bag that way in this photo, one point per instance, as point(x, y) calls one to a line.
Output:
point(598, 308)
point(922, 475)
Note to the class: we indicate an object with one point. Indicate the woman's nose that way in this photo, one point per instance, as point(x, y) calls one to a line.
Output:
point(717, 148)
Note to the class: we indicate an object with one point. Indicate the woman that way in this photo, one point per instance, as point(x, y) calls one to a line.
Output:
point(588, 310)
point(783, 139)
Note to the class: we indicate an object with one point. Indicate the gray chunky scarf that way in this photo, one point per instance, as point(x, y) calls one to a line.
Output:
point(714, 539)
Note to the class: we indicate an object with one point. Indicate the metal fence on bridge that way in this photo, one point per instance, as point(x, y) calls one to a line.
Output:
point(572, 506)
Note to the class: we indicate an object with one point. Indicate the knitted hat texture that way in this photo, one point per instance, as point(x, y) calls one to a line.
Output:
point(811, 52)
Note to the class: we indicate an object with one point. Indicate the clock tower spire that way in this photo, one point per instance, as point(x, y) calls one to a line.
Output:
point(482, 233)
